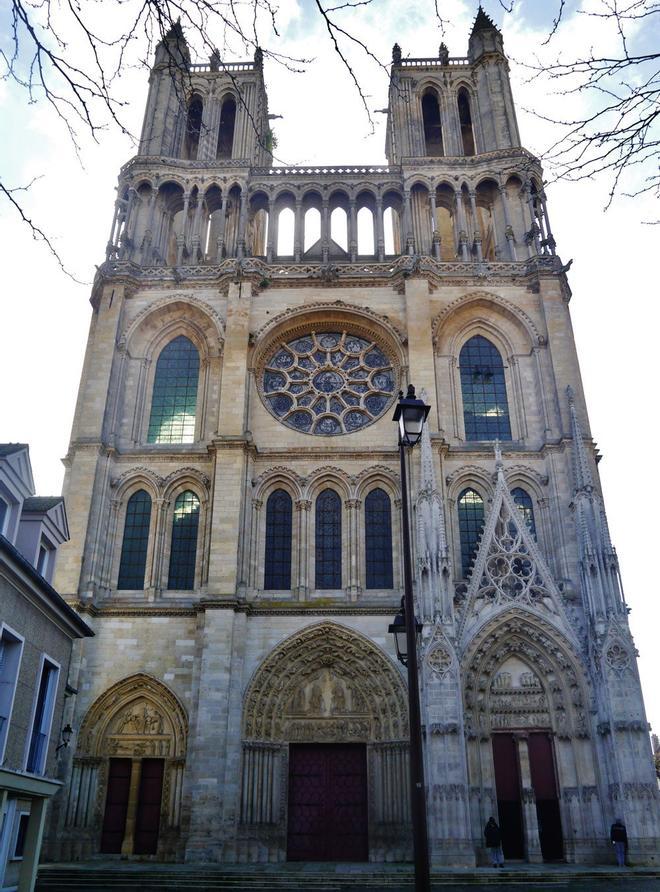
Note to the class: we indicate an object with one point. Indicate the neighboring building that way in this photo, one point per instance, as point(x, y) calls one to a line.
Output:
point(233, 488)
point(37, 630)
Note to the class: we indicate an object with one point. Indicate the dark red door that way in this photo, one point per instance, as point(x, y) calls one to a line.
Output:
point(116, 804)
point(327, 802)
point(147, 819)
point(507, 785)
point(542, 769)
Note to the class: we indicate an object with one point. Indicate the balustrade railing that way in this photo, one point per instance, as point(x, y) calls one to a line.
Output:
point(455, 61)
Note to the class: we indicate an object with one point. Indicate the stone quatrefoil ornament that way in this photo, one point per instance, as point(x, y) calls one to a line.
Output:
point(328, 383)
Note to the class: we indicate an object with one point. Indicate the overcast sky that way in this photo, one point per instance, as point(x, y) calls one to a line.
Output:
point(45, 315)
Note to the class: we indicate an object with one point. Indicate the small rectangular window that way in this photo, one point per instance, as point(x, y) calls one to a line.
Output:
point(43, 717)
point(11, 647)
point(21, 834)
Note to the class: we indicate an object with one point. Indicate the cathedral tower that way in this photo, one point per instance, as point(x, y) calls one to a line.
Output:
point(233, 490)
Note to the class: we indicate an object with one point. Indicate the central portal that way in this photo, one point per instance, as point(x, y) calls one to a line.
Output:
point(327, 818)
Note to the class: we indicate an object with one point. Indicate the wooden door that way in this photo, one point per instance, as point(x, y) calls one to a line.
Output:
point(147, 818)
point(116, 805)
point(507, 785)
point(327, 816)
point(542, 769)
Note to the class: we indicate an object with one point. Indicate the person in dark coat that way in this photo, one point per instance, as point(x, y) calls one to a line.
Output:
point(619, 839)
point(494, 842)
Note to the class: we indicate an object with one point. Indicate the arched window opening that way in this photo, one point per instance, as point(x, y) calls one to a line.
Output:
point(174, 398)
point(193, 128)
point(285, 224)
point(277, 564)
point(378, 539)
point(432, 124)
point(135, 542)
point(183, 553)
point(524, 504)
point(485, 405)
point(365, 232)
point(470, 526)
point(339, 228)
point(312, 224)
point(444, 224)
point(258, 228)
point(465, 119)
point(226, 129)
point(328, 540)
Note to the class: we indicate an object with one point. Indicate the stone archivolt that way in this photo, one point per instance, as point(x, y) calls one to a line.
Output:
point(326, 683)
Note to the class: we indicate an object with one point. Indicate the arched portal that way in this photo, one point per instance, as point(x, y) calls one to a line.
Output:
point(528, 739)
point(125, 791)
point(325, 703)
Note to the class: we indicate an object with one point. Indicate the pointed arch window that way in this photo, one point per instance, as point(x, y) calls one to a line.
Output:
point(523, 501)
point(193, 128)
point(174, 399)
point(378, 539)
point(485, 405)
point(134, 545)
point(277, 565)
point(432, 124)
point(183, 553)
point(226, 129)
point(328, 540)
point(470, 526)
point(465, 119)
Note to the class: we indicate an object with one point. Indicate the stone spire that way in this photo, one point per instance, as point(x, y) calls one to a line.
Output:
point(485, 37)
point(483, 22)
point(599, 565)
point(173, 49)
point(433, 571)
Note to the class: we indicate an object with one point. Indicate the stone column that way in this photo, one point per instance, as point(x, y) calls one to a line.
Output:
point(353, 508)
point(421, 362)
point(220, 232)
point(533, 235)
point(195, 241)
point(298, 231)
point(271, 242)
point(380, 230)
point(432, 215)
point(145, 253)
point(530, 821)
point(181, 237)
point(119, 203)
point(154, 577)
point(548, 231)
point(255, 545)
point(303, 507)
point(408, 246)
point(242, 223)
point(35, 830)
point(325, 230)
point(352, 231)
point(462, 227)
point(476, 231)
point(510, 235)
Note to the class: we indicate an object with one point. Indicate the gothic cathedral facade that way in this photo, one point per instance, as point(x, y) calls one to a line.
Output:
point(234, 497)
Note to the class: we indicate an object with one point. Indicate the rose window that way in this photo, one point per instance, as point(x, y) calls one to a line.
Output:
point(328, 383)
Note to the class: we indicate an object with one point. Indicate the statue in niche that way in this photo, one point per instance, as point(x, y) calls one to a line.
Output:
point(338, 698)
point(153, 721)
point(316, 701)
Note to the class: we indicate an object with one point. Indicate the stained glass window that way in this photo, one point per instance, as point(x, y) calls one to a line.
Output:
point(328, 383)
point(378, 539)
point(470, 525)
point(524, 503)
point(174, 399)
point(183, 553)
point(485, 406)
point(136, 539)
point(277, 566)
point(328, 540)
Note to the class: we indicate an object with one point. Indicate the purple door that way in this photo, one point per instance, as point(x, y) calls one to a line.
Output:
point(327, 819)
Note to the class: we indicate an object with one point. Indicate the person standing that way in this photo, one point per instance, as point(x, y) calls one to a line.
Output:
point(619, 839)
point(494, 842)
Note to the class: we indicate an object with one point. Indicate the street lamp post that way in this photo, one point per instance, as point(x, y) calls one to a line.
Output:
point(411, 414)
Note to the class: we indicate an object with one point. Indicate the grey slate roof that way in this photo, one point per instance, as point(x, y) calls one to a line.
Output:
point(41, 503)
point(10, 448)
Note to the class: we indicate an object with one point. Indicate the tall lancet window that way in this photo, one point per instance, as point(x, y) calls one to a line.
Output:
point(136, 539)
point(183, 553)
point(378, 539)
point(277, 566)
point(328, 540)
point(485, 405)
point(470, 525)
point(193, 128)
point(465, 118)
point(174, 400)
point(226, 129)
point(524, 504)
point(432, 124)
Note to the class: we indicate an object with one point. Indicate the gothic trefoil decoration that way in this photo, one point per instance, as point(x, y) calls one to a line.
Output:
point(433, 569)
point(508, 569)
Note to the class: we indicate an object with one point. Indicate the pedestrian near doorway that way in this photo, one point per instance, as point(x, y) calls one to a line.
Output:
point(494, 842)
point(619, 839)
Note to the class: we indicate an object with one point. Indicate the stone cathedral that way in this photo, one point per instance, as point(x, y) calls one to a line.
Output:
point(233, 492)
